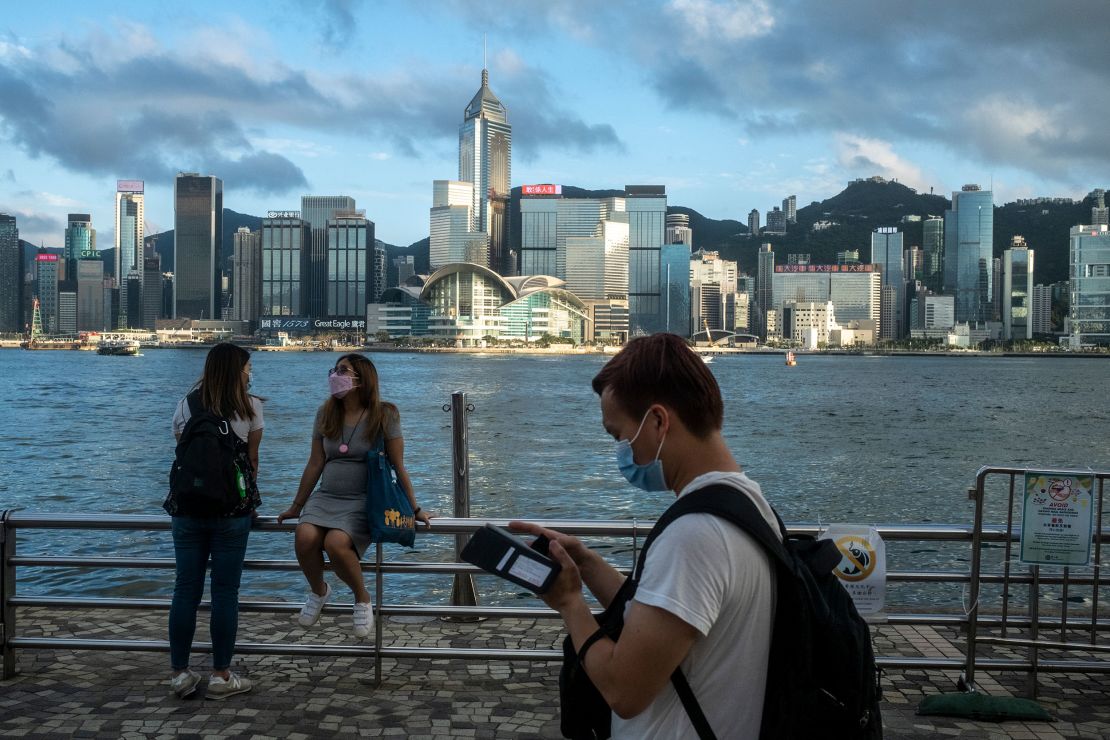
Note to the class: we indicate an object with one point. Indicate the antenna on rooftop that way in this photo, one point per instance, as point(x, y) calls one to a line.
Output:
point(484, 66)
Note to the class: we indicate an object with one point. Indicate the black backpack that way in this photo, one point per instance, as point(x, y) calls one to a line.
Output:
point(822, 680)
point(211, 475)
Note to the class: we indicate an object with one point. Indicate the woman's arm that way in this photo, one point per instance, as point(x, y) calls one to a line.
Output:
point(312, 470)
point(395, 450)
point(254, 440)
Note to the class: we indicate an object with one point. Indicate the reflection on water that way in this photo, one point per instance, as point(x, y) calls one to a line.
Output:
point(835, 439)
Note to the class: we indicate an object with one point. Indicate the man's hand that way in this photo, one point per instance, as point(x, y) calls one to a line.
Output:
point(573, 546)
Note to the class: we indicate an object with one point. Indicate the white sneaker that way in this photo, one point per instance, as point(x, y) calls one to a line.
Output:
point(221, 688)
point(310, 612)
point(363, 619)
point(184, 684)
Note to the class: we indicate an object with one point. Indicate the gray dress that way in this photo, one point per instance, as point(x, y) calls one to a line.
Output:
point(340, 500)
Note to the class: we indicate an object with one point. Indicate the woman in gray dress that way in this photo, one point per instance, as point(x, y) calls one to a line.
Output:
point(333, 518)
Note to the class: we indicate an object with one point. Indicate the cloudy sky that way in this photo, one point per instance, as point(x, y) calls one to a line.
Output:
point(731, 105)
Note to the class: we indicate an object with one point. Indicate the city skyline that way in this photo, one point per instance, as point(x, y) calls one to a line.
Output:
point(369, 103)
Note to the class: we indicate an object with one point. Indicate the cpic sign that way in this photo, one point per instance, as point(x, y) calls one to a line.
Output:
point(862, 567)
point(1057, 518)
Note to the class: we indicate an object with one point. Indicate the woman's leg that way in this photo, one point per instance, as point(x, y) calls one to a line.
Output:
point(190, 547)
point(229, 547)
point(308, 542)
point(344, 560)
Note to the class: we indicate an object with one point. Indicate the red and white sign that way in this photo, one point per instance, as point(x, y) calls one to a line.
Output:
point(825, 268)
point(46, 258)
point(129, 186)
point(541, 189)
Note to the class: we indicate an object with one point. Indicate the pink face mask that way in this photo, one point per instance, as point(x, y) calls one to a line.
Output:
point(340, 385)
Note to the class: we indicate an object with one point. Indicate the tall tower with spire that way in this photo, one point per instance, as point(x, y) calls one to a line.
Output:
point(485, 159)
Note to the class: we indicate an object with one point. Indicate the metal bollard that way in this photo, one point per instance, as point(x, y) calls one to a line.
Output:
point(462, 590)
point(7, 593)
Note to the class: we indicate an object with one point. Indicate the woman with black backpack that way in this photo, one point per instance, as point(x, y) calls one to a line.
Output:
point(213, 495)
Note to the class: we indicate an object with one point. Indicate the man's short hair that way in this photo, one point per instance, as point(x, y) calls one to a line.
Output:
point(661, 368)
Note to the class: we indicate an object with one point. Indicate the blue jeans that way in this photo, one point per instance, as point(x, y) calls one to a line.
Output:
point(194, 539)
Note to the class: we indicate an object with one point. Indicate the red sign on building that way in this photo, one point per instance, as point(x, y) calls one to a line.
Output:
point(824, 268)
point(541, 189)
point(46, 258)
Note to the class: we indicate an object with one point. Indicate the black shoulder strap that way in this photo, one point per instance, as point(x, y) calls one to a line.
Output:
point(734, 506)
point(193, 399)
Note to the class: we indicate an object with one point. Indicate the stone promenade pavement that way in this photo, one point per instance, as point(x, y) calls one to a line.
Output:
point(61, 693)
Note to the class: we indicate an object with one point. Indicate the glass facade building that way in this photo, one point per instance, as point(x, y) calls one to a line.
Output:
point(285, 243)
point(246, 276)
point(80, 239)
point(1089, 274)
point(350, 261)
point(968, 244)
point(129, 250)
point(316, 210)
point(674, 281)
point(933, 248)
point(887, 253)
point(1017, 293)
point(198, 215)
point(46, 289)
point(647, 222)
point(485, 159)
point(11, 276)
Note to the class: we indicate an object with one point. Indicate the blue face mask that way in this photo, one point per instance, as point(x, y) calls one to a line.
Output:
point(646, 477)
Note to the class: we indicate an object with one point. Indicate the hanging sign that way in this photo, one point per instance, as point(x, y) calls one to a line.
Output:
point(862, 567)
point(1057, 518)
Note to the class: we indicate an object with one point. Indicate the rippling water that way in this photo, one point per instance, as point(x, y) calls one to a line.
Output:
point(837, 438)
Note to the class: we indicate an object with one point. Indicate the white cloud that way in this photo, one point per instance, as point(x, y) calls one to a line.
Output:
point(867, 156)
point(728, 21)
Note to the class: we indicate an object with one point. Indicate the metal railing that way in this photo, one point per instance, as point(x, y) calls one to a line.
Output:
point(1029, 617)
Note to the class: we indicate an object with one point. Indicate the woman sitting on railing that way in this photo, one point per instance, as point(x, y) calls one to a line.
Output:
point(333, 519)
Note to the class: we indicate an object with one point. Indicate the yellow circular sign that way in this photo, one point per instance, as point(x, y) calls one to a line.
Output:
point(857, 558)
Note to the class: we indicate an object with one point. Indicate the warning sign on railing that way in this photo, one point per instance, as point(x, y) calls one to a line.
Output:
point(862, 566)
point(1057, 518)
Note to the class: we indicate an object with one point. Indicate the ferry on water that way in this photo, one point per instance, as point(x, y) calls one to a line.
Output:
point(128, 347)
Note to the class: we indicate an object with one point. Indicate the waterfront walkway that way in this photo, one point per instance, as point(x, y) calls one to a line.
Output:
point(112, 694)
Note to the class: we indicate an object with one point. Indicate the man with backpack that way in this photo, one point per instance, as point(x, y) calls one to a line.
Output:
point(691, 658)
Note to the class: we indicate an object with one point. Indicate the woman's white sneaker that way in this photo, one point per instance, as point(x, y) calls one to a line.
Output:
point(363, 616)
point(221, 688)
point(184, 683)
point(310, 612)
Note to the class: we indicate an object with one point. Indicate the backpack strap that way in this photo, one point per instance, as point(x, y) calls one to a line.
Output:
point(193, 399)
point(733, 505)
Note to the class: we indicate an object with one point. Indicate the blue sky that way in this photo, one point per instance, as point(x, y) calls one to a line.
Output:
point(731, 105)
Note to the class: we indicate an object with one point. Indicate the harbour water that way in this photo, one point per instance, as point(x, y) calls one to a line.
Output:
point(835, 439)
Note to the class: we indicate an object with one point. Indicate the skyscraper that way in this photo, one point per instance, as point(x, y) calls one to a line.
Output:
point(46, 289)
point(1100, 214)
point(678, 230)
point(11, 276)
point(452, 231)
point(406, 268)
point(886, 251)
point(152, 290)
point(753, 222)
point(1090, 285)
point(80, 241)
point(198, 218)
point(485, 159)
point(764, 285)
point(315, 211)
point(246, 276)
point(350, 265)
point(91, 309)
point(129, 243)
point(776, 221)
point(790, 208)
point(647, 214)
point(285, 242)
point(968, 239)
point(932, 244)
point(1017, 290)
point(674, 279)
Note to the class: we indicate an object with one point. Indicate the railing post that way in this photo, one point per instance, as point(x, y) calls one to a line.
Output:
point(7, 592)
point(378, 591)
point(462, 590)
point(967, 681)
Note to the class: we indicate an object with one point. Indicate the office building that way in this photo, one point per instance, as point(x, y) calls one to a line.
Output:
point(406, 268)
point(286, 240)
point(485, 160)
point(808, 323)
point(597, 273)
point(764, 291)
point(198, 213)
point(886, 252)
point(753, 222)
point(91, 308)
point(1017, 291)
point(848, 257)
point(854, 290)
point(80, 242)
point(1089, 254)
point(453, 236)
point(776, 221)
point(379, 273)
point(913, 267)
point(674, 280)
point(547, 223)
point(11, 276)
point(47, 269)
point(67, 307)
point(152, 290)
point(712, 286)
point(315, 212)
point(678, 230)
point(647, 214)
point(350, 258)
point(737, 312)
point(968, 240)
point(128, 257)
point(940, 312)
point(1100, 214)
point(996, 290)
point(1042, 310)
point(797, 258)
point(246, 276)
point(790, 208)
point(932, 247)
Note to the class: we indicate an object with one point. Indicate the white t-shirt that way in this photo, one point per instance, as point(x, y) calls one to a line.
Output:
point(242, 427)
point(715, 577)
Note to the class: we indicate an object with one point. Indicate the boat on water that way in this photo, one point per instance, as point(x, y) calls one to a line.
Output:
point(128, 347)
point(705, 358)
point(790, 361)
